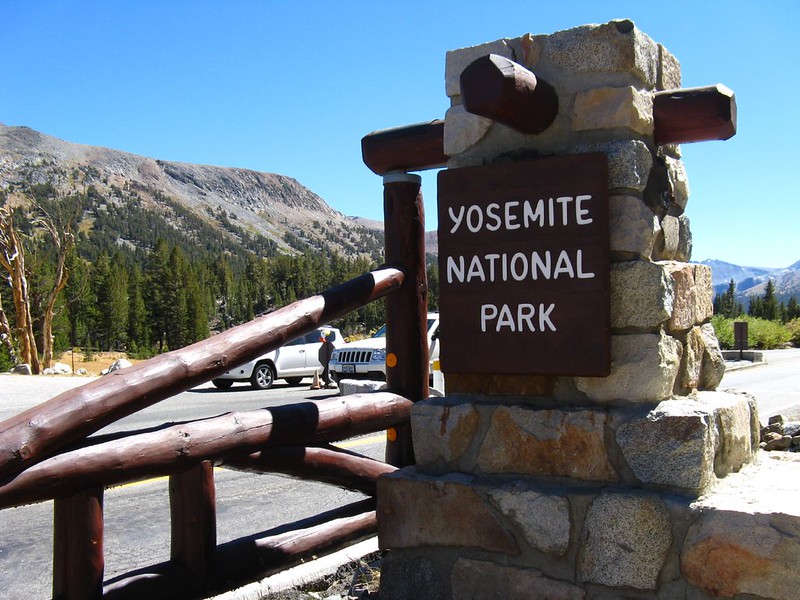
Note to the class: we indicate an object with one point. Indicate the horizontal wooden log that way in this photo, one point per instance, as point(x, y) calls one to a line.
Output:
point(694, 115)
point(409, 148)
point(249, 558)
point(238, 560)
point(176, 448)
point(499, 89)
point(327, 465)
point(71, 416)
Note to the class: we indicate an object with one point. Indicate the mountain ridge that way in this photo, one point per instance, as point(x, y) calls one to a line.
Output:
point(273, 206)
point(752, 281)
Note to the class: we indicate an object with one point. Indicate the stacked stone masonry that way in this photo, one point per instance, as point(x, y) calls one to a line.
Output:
point(639, 485)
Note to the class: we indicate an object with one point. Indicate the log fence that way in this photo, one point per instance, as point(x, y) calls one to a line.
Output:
point(47, 453)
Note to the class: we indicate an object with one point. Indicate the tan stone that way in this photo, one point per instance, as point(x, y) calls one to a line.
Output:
point(693, 353)
point(669, 239)
point(641, 295)
point(471, 579)
point(677, 181)
point(684, 307)
point(704, 293)
point(543, 519)
point(462, 130)
point(614, 47)
point(624, 541)
point(442, 431)
point(547, 442)
point(745, 538)
point(734, 444)
point(612, 108)
point(713, 367)
point(669, 70)
point(417, 510)
point(633, 226)
point(643, 369)
point(672, 445)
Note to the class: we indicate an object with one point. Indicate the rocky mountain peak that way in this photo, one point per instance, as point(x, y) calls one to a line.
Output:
point(274, 206)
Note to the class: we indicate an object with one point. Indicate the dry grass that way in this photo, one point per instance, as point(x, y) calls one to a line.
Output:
point(99, 361)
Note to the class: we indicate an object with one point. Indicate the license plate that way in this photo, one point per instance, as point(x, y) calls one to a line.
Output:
point(348, 368)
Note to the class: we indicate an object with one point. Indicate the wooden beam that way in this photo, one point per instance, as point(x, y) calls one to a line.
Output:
point(407, 361)
point(78, 562)
point(499, 89)
point(329, 465)
point(70, 417)
point(694, 115)
point(408, 148)
point(193, 520)
point(173, 449)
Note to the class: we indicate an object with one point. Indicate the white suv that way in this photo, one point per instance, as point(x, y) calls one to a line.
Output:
point(297, 359)
point(366, 359)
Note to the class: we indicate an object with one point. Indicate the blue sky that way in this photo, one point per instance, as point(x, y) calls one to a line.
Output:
point(291, 87)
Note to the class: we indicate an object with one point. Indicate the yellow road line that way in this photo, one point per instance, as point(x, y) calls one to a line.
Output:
point(374, 439)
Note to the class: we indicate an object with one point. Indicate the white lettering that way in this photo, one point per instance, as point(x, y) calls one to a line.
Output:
point(506, 319)
point(580, 212)
point(455, 269)
point(563, 265)
point(456, 221)
point(517, 267)
point(488, 313)
point(474, 225)
point(564, 202)
point(579, 260)
point(511, 219)
point(476, 270)
point(516, 214)
point(519, 318)
point(491, 213)
point(519, 273)
point(544, 317)
point(525, 314)
point(491, 258)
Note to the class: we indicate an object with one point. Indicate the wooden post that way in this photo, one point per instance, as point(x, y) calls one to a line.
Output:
point(192, 501)
point(407, 148)
point(500, 89)
point(78, 561)
point(406, 309)
point(694, 115)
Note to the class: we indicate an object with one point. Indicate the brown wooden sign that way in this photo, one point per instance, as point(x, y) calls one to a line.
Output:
point(524, 267)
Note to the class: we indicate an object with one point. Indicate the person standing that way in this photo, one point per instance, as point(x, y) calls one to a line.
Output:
point(325, 351)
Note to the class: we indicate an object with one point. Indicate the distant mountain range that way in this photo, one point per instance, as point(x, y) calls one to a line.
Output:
point(263, 212)
point(752, 281)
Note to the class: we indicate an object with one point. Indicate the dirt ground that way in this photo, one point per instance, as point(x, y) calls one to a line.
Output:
point(99, 361)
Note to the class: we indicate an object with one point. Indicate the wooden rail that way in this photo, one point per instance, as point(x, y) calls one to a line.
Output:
point(45, 453)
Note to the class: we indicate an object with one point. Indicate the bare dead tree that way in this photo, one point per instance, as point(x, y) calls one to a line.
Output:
point(12, 259)
point(60, 230)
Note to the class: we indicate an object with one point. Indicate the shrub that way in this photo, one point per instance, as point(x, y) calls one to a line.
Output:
point(793, 327)
point(761, 334)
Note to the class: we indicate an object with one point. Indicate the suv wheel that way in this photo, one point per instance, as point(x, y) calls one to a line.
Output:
point(222, 384)
point(263, 376)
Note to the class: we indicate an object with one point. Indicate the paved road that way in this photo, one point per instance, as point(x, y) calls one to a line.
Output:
point(776, 384)
point(136, 516)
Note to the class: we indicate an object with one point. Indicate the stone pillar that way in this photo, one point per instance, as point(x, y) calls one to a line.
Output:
point(576, 487)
